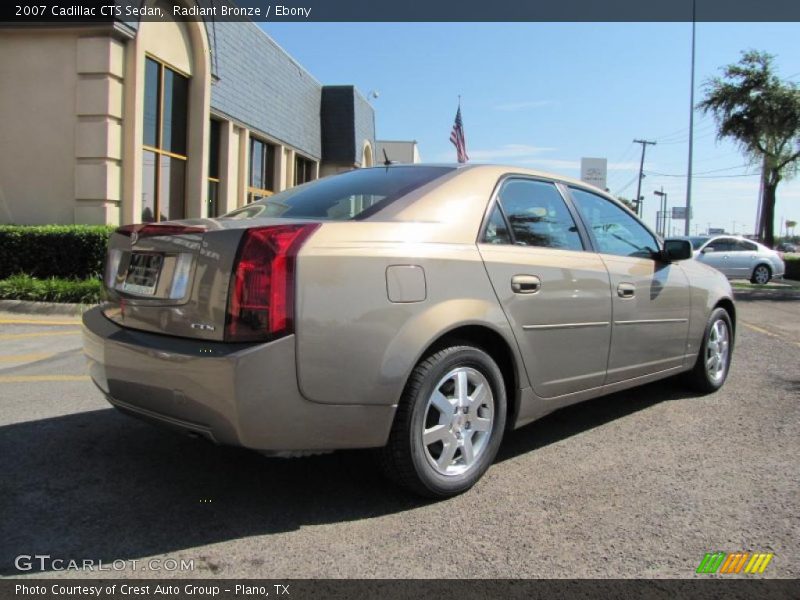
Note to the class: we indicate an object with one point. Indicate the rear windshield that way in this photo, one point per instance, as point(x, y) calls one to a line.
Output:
point(356, 194)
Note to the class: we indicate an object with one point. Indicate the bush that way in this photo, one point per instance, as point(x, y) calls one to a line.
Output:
point(25, 287)
point(62, 251)
point(792, 262)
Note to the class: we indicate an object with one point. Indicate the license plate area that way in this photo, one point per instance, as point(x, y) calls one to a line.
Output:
point(143, 273)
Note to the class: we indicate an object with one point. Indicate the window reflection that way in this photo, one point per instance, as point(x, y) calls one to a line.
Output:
point(164, 139)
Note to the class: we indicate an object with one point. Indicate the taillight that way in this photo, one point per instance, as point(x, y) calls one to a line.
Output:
point(261, 295)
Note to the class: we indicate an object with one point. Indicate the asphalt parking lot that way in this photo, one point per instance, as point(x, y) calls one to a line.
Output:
point(639, 484)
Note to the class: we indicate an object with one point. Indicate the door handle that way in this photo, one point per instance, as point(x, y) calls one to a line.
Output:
point(626, 290)
point(525, 284)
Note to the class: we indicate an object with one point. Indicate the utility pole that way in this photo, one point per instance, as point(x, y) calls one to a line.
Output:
point(644, 144)
point(688, 220)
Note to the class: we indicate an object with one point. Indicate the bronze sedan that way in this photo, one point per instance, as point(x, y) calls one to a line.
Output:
point(423, 310)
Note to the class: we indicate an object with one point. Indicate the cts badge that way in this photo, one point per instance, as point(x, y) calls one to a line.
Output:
point(203, 326)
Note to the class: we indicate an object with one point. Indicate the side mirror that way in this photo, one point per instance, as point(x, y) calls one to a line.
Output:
point(675, 250)
point(708, 249)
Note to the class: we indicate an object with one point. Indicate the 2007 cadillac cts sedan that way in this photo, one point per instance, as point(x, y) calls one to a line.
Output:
point(423, 310)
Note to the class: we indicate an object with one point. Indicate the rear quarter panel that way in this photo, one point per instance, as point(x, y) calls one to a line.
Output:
point(353, 344)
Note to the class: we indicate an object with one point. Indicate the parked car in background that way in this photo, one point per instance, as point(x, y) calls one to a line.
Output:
point(419, 310)
point(786, 247)
point(738, 258)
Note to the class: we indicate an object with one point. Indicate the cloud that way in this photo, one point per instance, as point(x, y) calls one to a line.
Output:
point(506, 152)
point(515, 106)
point(623, 166)
point(550, 163)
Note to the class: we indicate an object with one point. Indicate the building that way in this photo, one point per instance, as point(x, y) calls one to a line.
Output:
point(121, 122)
point(397, 151)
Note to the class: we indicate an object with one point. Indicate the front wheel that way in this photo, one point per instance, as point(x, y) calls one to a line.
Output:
point(714, 360)
point(449, 423)
point(761, 275)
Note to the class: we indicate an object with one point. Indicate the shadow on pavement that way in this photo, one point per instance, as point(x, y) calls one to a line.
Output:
point(103, 486)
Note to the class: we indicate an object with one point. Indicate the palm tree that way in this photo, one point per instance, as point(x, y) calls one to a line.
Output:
point(790, 225)
point(752, 106)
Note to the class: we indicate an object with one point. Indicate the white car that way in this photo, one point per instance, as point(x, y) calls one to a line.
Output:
point(739, 258)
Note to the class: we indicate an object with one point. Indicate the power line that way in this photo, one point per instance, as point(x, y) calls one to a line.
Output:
point(627, 185)
point(702, 176)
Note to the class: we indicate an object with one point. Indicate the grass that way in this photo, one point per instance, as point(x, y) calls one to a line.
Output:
point(25, 287)
point(784, 284)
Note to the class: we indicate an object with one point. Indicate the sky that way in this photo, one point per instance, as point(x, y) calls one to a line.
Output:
point(543, 95)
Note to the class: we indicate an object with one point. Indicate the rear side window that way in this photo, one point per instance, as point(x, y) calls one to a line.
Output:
point(538, 215)
point(356, 194)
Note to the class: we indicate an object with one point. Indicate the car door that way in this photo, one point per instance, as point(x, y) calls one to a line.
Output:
point(555, 294)
point(741, 259)
point(650, 297)
point(716, 253)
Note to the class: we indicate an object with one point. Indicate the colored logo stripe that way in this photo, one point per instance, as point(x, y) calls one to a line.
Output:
point(758, 563)
point(711, 562)
point(735, 562)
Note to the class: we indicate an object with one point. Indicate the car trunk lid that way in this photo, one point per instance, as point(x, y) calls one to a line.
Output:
point(174, 278)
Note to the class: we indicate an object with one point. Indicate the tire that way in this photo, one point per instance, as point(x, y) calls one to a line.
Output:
point(463, 430)
point(761, 274)
point(706, 377)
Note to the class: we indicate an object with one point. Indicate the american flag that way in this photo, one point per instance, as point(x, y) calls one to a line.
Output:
point(457, 138)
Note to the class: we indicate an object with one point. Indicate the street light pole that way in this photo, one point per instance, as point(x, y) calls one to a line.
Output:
point(688, 219)
point(661, 223)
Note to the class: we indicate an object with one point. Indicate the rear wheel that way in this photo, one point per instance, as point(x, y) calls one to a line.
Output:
point(761, 275)
point(449, 423)
point(714, 360)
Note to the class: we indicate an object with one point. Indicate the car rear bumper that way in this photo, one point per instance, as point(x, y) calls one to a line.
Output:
point(237, 394)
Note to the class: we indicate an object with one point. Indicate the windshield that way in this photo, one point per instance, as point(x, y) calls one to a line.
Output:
point(356, 194)
point(697, 241)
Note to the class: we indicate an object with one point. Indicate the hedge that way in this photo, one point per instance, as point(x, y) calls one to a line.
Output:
point(44, 251)
point(25, 287)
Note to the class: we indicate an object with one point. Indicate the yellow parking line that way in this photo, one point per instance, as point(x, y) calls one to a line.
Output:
point(770, 333)
point(759, 329)
point(35, 322)
point(19, 336)
point(33, 378)
point(25, 357)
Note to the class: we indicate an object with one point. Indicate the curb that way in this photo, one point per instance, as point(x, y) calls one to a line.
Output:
point(44, 308)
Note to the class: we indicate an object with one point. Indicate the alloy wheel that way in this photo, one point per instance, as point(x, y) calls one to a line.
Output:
point(458, 421)
point(717, 350)
point(761, 275)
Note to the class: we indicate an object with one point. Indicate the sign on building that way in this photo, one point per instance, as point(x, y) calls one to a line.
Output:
point(594, 171)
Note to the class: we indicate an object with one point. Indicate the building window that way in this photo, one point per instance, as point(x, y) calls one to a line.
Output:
point(166, 94)
point(304, 170)
point(262, 170)
point(213, 168)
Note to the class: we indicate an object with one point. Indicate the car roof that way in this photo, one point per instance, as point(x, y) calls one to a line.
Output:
point(501, 169)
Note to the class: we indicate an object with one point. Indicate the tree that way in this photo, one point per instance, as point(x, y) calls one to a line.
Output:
point(629, 203)
point(752, 106)
point(790, 225)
